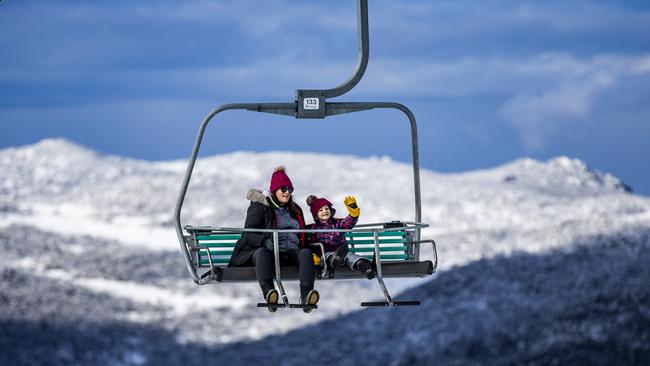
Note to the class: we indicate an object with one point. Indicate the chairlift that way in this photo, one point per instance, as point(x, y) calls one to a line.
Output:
point(393, 247)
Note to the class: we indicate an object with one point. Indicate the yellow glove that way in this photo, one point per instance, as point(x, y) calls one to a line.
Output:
point(315, 259)
point(351, 204)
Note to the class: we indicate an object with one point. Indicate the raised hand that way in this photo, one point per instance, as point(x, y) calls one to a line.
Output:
point(351, 204)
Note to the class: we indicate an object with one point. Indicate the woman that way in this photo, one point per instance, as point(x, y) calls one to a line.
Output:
point(277, 211)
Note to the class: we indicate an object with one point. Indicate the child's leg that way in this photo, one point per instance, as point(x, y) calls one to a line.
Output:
point(358, 263)
point(338, 260)
point(306, 270)
point(328, 258)
point(352, 259)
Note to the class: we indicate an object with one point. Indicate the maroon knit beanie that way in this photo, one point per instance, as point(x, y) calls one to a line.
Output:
point(316, 203)
point(279, 179)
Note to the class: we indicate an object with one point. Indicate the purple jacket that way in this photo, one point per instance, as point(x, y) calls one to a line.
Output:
point(331, 241)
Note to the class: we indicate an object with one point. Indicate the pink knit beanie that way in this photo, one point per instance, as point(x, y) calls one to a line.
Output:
point(316, 203)
point(279, 179)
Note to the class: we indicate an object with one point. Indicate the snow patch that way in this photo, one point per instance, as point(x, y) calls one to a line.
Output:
point(180, 302)
point(79, 219)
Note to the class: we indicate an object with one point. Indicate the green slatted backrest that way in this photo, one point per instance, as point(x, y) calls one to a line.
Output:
point(221, 246)
point(392, 246)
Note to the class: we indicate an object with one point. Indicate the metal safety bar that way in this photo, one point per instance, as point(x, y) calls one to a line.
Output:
point(359, 228)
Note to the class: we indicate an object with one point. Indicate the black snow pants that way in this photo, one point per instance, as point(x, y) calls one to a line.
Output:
point(263, 262)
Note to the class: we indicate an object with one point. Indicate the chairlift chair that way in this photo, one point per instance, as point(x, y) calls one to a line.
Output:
point(393, 247)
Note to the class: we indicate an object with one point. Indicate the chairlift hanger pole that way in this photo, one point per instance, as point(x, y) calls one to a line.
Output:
point(311, 104)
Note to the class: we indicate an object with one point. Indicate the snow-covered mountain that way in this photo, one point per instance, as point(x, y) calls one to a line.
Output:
point(89, 251)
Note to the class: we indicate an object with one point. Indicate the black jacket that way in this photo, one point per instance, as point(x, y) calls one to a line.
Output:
point(260, 215)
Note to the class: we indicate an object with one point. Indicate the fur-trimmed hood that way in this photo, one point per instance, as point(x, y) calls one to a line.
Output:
point(261, 215)
point(259, 196)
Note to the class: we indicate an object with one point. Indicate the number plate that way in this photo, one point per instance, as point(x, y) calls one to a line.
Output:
point(311, 103)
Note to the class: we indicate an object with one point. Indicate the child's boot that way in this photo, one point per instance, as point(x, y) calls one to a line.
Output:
point(364, 266)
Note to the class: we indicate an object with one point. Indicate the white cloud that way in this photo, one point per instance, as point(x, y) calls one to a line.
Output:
point(541, 92)
point(537, 111)
point(536, 115)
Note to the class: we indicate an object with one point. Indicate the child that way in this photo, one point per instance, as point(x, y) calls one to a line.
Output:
point(336, 247)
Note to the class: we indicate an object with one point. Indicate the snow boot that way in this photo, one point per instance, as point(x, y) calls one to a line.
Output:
point(311, 299)
point(365, 267)
point(272, 297)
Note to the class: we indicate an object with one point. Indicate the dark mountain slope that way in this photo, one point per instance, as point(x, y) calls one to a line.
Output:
point(585, 305)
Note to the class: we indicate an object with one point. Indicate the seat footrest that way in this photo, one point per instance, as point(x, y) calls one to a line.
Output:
point(281, 305)
point(395, 303)
point(267, 305)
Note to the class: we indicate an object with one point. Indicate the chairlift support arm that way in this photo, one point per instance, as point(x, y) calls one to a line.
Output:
point(310, 103)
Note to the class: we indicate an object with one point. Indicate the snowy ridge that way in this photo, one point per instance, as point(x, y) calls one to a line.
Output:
point(558, 176)
point(56, 166)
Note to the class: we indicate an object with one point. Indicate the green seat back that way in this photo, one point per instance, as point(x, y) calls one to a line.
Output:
point(392, 246)
point(221, 247)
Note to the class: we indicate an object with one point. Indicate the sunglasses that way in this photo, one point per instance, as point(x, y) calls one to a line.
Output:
point(284, 189)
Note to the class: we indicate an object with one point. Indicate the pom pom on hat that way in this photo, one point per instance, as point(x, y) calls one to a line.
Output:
point(311, 199)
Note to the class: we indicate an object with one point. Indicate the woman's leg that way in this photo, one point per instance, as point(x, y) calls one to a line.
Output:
point(263, 262)
point(306, 269)
point(307, 275)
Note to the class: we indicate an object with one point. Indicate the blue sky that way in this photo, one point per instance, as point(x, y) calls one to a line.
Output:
point(489, 81)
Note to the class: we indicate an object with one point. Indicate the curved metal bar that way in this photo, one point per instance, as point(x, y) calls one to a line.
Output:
point(363, 53)
point(434, 255)
point(190, 166)
point(214, 274)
